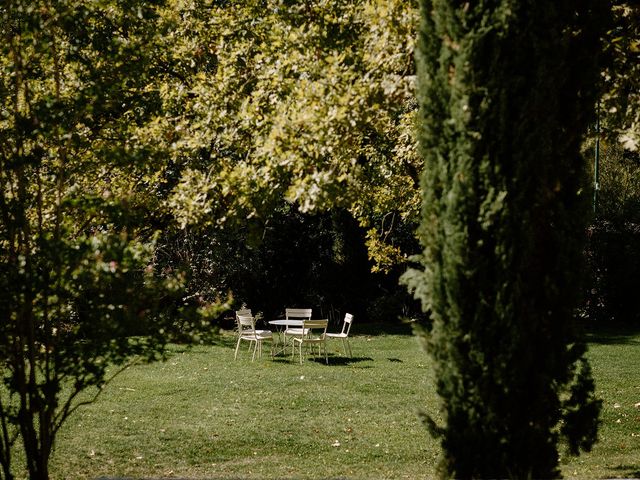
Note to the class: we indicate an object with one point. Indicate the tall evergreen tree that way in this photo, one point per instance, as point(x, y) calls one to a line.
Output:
point(506, 88)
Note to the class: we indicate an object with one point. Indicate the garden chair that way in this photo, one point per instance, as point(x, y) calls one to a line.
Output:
point(247, 331)
point(344, 334)
point(311, 338)
point(295, 314)
point(246, 311)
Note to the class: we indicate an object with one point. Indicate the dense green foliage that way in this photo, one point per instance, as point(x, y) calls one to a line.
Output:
point(277, 112)
point(307, 102)
point(296, 259)
point(620, 99)
point(506, 90)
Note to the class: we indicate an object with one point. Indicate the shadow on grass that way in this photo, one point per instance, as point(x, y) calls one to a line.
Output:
point(333, 361)
point(342, 361)
point(612, 334)
point(626, 471)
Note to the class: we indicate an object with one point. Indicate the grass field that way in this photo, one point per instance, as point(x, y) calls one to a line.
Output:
point(202, 415)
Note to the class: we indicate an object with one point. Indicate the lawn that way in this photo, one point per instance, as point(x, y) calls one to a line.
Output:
point(202, 415)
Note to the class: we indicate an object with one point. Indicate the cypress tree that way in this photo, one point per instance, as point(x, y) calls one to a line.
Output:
point(506, 89)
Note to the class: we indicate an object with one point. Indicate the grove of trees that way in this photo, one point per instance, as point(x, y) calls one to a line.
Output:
point(162, 161)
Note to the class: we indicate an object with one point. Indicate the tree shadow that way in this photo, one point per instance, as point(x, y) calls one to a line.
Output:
point(346, 361)
point(333, 360)
point(612, 335)
point(626, 471)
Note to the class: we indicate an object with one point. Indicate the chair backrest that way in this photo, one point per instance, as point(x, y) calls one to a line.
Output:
point(246, 325)
point(297, 313)
point(243, 311)
point(316, 325)
point(346, 325)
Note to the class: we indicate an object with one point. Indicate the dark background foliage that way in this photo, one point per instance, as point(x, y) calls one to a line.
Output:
point(293, 260)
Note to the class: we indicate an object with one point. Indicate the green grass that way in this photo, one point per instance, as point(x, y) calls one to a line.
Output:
point(202, 415)
point(615, 358)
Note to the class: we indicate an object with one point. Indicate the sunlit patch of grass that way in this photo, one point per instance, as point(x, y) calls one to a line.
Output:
point(615, 359)
point(202, 415)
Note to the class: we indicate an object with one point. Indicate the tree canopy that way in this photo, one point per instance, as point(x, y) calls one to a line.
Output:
point(307, 101)
point(620, 102)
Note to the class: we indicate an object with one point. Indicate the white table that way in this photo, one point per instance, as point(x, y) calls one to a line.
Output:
point(282, 322)
point(286, 323)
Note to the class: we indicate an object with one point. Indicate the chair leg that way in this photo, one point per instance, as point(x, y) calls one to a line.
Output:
point(235, 356)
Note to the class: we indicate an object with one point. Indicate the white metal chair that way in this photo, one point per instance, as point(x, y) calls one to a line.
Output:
point(344, 334)
point(295, 314)
point(247, 331)
point(246, 311)
point(311, 338)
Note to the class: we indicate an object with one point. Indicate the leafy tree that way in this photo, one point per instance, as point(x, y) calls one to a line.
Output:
point(307, 101)
point(77, 274)
point(506, 89)
point(620, 101)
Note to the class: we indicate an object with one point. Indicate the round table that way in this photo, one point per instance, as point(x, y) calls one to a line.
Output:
point(286, 322)
point(283, 322)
